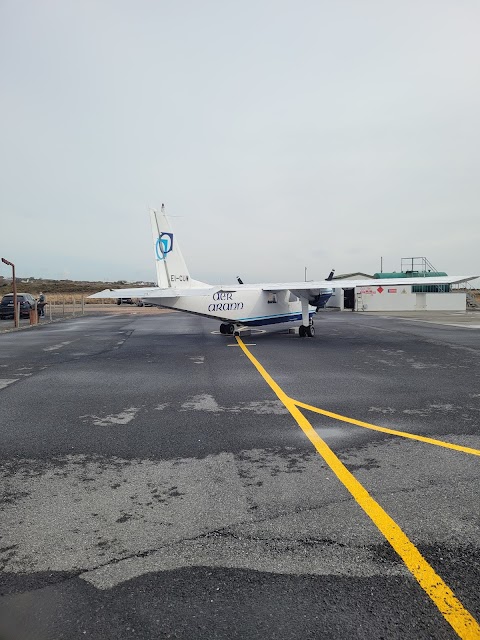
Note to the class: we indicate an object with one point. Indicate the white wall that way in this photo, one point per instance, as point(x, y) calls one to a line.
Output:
point(453, 302)
point(401, 298)
point(390, 299)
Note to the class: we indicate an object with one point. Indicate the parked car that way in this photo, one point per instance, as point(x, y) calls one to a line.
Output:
point(26, 301)
point(136, 301)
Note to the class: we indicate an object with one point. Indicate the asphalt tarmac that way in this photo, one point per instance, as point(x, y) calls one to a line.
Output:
point(158, 484)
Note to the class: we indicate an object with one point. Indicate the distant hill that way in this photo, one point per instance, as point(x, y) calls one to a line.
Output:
point(35, 285)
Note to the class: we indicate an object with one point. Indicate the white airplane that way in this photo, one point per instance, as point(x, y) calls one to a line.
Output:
point(241, 305)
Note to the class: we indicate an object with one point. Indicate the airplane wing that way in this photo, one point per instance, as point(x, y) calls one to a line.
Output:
point(300, 289)
point(367, 282)
point(173, 292)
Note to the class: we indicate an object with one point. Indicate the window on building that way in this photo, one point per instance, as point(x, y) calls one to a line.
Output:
point(431, 288)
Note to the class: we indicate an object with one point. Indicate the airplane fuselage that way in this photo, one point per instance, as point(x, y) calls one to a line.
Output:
point(248, 308)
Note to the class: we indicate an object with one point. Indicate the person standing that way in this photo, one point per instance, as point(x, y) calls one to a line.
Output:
point(42, 301)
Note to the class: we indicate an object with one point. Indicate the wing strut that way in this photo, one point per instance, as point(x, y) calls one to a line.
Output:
point(305, 314)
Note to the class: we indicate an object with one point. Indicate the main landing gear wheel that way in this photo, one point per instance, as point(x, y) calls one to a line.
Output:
point(305, 332)
point(227, 329)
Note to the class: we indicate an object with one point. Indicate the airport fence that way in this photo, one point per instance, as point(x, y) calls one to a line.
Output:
point(60, 306)
point(70, 305)
point(63, 306)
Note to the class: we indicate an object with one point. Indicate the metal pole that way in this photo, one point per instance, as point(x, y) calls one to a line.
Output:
point(83, 305)
point(381, 264)
point(73, 305)
point(63, 306)
point(305, 274)
point(16, 319)
point(14, 282)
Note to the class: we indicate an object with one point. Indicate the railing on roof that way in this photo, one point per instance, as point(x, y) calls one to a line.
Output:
point(419, 263)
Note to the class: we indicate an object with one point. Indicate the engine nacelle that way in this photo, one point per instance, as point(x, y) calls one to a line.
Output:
point(320, 300)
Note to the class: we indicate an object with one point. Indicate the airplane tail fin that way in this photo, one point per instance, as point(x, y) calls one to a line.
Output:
point(171, 267)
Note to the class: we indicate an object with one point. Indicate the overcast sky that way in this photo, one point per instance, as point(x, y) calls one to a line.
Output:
point(283, 134)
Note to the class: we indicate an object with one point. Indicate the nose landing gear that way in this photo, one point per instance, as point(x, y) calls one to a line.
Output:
point(227, 329)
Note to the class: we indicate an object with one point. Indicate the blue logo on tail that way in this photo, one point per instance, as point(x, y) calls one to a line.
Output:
point(163, 245)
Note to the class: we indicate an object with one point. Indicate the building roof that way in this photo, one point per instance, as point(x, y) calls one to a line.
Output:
point(352, 276)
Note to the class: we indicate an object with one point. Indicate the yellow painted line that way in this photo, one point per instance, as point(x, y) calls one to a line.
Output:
point(374, 427)
point(463, 623)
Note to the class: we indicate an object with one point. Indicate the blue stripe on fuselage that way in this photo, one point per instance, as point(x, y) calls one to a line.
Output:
point(261, 320)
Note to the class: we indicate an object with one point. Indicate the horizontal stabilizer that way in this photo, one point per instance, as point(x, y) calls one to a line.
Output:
point(123, 293)
point(152, 292)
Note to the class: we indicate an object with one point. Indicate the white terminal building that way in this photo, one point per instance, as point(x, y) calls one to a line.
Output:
point(425, 297)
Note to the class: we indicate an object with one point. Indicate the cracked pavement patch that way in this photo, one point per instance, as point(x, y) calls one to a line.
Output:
point(110, 519)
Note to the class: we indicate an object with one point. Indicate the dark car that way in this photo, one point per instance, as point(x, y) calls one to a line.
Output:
point(136, 301)
point(25, 300)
